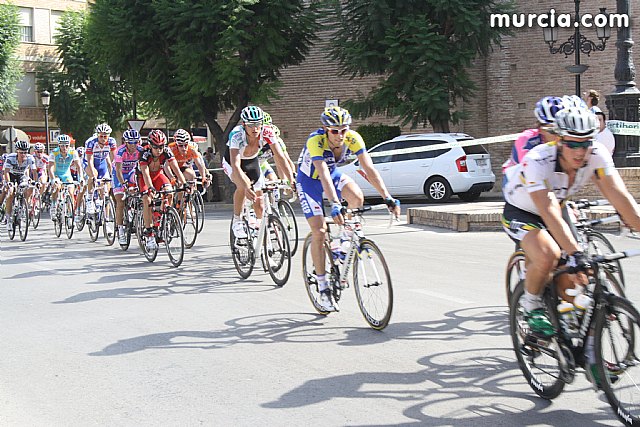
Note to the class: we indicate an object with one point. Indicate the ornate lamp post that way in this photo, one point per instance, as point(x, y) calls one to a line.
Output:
point(577, 44)
point(45, 97)
point(624, 103)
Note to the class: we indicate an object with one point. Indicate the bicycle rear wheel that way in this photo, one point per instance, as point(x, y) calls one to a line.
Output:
point(516, 271)
point(23, 216)
point(288, 218)
point(309, 273)
point(372, 283)
point(276, 251)
point(173, 237)
point(617, 364)
point(190, 223)
point(242, 251)
point(109, 220)
point(536, 357)
point(68, 215)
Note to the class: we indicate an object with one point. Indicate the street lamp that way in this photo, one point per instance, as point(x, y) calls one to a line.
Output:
point(578, 43)
point(45, 97)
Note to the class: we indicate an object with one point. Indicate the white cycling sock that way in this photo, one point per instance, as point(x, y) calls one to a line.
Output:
point(531, 301)
point(322, 282)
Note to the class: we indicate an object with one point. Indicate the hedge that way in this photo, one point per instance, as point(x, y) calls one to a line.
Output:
point(376, 133)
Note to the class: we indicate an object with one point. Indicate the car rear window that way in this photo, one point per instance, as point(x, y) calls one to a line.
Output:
point(473, 149)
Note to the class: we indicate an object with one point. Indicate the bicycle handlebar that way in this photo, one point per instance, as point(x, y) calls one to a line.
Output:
point(584, 203)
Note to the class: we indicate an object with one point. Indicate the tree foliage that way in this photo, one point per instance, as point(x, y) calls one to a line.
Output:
point(82, 94)
point(375, 133)
point(421, 49)
point(192, 60)
point(10, 70)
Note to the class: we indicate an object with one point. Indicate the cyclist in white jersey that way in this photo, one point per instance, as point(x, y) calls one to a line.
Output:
point(242, 165)
point(548, 175)
point(18, 168)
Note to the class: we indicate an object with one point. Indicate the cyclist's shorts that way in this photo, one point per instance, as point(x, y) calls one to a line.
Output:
point(158, 179)
point(118, 187)
point(310, 191)
point(266, 169)
point(103, 170)
point(64, 177)
point(17, 179)
point(517, 222)
point(251, 167)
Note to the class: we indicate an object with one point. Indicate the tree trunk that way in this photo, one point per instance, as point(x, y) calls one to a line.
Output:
point(440, 126)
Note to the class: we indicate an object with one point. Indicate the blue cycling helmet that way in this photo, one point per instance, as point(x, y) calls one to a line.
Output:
point(547, 108)
point(335, 116)
point(252, 114)
point(131, 135)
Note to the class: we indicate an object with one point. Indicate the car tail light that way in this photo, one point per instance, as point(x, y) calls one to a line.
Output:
point(461, 164)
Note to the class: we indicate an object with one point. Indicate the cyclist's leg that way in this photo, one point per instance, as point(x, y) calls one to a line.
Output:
point(351, 192)
point(542, 255)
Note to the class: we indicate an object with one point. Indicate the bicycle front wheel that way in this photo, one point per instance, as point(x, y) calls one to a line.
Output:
point(600, 245)
point(516, 271)
point(276, 251)
point(57, 218)
point(199, 205)
point(24, 218)
point(82, 214)
point(173, 237)
point(68, 216)
point(35, 210)
point(288, 218)
point(617, 365)
point(537, 358)
point(109, 221)
point(242, 251)
point(190, 223)
point(372, 283)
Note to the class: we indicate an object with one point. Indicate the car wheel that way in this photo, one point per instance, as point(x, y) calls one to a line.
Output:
point(469, 196)
point(437, 189)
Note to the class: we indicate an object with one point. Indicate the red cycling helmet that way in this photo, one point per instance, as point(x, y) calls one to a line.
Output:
point(157, 138)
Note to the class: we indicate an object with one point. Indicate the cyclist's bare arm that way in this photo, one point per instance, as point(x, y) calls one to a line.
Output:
point(551, 213)
point(145, 176)
point(119, 172)
point(372, 174)
point(173, 164)
point(281, 162)
point(613, 189)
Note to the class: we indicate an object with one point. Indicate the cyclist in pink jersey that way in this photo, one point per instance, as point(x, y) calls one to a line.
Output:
point(126, 160)
point(545, 112)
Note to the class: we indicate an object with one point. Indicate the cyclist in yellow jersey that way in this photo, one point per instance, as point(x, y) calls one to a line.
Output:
point(327, 148)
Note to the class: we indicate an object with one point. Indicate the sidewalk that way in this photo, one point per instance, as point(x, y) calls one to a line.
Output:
point(483, 215)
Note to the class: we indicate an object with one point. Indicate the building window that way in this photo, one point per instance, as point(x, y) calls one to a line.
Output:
point(26, 24)
point(26, 91)
point(56, 16)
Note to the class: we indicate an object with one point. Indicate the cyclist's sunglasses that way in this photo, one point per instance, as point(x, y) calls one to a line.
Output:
point(575, 144)
point(339, 131)
point(132, 141)
point(158, 147)
point(253, 124)
point(39, 151)
point(21, 152)
point(182, 145)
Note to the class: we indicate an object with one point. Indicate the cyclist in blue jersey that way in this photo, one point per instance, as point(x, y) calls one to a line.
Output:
point(100, 151)
point(60, 161)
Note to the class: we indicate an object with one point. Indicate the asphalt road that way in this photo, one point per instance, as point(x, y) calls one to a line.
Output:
point(92, 335)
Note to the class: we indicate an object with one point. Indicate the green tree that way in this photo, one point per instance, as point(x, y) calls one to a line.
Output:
point(10, 70)
point(82, 94)
point(192, 60)
point(421, 49)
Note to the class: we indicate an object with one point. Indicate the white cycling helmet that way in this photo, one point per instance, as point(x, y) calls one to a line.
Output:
point(577, 123)
point(21, 144)
point(39, 146)
point(575, 101)
point(103, 128)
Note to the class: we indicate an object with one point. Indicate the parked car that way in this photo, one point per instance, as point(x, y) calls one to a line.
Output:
point(464, 171)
